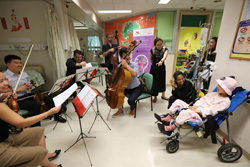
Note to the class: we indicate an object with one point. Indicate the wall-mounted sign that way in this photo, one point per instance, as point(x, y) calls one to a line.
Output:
point(241, 45)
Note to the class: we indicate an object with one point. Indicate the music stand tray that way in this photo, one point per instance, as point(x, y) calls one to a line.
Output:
point(84, 74)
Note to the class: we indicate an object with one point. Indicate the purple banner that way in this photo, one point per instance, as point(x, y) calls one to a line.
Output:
point(141, 54)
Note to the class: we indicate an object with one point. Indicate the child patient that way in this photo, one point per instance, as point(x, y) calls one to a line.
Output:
point(207, 105)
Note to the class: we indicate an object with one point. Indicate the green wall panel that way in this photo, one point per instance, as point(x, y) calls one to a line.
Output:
point(193, 20)
point(164, 25)
point(217, 23)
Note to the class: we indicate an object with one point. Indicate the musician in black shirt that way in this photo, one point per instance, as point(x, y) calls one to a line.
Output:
point(75, 63)
point(108, 50)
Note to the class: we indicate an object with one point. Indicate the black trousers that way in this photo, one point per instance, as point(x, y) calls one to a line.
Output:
point(133, 95)
point(171, 101)
point(32, 106)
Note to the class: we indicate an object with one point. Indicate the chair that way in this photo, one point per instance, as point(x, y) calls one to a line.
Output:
point(149, 82)
point(98, 74)
point(23, 113)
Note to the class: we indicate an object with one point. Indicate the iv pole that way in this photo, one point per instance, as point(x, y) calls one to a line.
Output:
point(198, 80)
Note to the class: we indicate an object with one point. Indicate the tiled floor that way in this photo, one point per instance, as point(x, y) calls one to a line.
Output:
point(130, 142)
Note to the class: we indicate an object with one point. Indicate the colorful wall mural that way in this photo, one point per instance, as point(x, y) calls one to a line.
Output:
point(126, 26)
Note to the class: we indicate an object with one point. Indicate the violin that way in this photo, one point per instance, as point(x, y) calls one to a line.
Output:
point(120, 80)
point(39, 97)
point(12, 102)
point(14, 106)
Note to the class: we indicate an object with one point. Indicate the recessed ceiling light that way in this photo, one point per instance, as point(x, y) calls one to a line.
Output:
point(163, 1)
point(114, 11)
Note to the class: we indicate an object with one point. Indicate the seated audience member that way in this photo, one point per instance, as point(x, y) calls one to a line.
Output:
point(181, 89)
point(207, 105)
point(26, 148)
point(15, 66)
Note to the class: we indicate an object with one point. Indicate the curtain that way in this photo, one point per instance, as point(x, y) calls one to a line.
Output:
point(55, 46)
point(73, 36)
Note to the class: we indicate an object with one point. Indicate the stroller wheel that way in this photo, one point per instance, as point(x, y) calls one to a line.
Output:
point(172, 146)
point(229, 152)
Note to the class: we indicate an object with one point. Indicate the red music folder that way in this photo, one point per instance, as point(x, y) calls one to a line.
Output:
point(84, 99)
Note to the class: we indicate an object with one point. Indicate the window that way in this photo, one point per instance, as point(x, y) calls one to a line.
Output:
point(94, 43)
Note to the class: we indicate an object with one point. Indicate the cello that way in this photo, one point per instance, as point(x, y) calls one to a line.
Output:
point(120, 80)
point(114, 59)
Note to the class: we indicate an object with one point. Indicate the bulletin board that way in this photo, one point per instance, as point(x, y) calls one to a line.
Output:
point(241, 45)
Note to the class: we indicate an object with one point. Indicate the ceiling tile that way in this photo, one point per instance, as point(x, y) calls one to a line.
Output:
point(109, 6)
point(99, 1)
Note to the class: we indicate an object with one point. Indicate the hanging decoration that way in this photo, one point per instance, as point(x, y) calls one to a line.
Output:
point(195, 36)
point(26, 23)
point(4, 23)
point(16, 26)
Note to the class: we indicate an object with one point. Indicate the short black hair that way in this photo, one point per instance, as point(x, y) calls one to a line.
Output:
point(157, 39)
point(123, 50)
point(177, 73)
point(8, 58)
point(109, 34)
point(77, 52)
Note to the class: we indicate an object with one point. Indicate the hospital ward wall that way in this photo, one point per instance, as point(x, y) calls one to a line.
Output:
point(240, 121)
point(35, 12)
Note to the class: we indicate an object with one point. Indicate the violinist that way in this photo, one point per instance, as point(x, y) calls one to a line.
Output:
point(27, 148)
point(108, 50)
point(14, 64)
point(77, 62)
point(134, 88)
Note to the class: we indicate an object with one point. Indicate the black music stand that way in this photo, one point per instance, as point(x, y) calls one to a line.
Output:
point(58, 86)
point(86, 73)
point(80, 105)
point(97, 112)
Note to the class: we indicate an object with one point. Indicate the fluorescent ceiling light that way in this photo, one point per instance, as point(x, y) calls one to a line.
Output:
point(114, 11)
point(163, 1)
point(78, 24)
point(81, 28)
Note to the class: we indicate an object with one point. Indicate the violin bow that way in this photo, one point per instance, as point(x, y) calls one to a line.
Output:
point(23, 69)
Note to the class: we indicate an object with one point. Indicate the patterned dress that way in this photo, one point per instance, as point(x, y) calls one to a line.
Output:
point(159, 73)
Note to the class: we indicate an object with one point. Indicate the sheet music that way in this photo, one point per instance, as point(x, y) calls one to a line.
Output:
point(57, 85)
point(83, 100)
point(87, 95)
point(88, 65)
point(61, 98)
point(80, 72)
